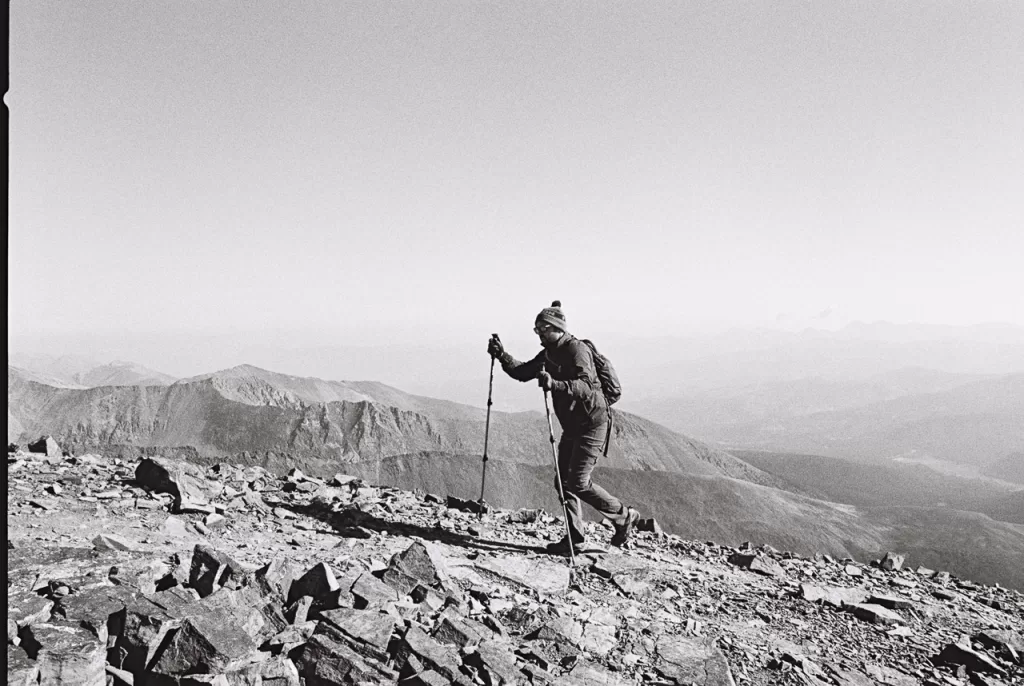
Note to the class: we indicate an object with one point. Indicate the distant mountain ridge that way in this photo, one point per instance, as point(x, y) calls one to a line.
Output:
point(714, 410)
point(69, 371)
point(250, 410)
point(974, 424)
point(123, 374)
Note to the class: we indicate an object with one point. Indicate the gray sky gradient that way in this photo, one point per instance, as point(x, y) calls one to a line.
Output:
point(442, 170)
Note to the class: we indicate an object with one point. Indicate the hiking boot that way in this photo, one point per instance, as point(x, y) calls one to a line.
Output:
point(561, 547)
point(622, 531)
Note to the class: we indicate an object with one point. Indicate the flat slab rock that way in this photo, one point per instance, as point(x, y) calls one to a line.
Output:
point(367, 628)
point(836, 596)
point(876, 614)
point(690, 661)
point(542, 574)
point(610, 565)
point(889, 676)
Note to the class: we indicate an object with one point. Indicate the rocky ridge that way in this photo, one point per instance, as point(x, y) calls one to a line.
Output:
point(163, 572)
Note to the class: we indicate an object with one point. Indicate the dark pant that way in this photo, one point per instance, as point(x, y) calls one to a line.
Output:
point(578, 453)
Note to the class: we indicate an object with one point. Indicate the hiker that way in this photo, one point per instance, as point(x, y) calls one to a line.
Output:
point(566, 368)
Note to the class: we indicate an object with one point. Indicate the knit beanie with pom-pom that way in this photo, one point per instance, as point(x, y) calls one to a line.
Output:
point(552, 315)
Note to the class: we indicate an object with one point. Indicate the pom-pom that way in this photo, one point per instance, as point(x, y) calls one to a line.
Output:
point(556, 303)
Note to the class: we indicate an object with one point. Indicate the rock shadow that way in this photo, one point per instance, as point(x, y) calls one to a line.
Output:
point(352, 522)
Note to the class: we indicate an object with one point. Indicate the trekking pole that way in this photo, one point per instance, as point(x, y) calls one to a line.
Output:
point(561, 492)
point(487, 432)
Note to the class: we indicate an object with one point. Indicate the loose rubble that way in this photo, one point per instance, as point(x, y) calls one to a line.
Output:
point(163, 572)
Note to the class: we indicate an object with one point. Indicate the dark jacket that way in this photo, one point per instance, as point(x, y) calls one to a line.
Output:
point(576, 394)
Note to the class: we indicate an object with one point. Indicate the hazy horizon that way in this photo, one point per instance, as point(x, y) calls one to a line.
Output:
point(235, 176)
point(649, 367)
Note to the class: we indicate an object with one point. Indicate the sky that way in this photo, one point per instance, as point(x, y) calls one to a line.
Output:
point(357, 173)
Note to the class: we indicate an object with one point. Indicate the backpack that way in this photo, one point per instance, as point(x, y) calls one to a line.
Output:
point(610, 385)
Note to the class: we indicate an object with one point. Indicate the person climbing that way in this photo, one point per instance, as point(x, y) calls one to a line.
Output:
point(565, 367)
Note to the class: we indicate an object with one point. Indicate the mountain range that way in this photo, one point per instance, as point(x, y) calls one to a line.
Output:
point(246, 409)
point(249, 415)
point(72, 371)
point(959, 423)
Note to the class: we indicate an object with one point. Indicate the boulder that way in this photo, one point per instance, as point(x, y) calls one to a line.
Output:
point(67, 655)
point(46, 445)
point(423, 562)
point(211, 642)
point(757, 563)
point(291, 637)
point(1006, 643)
point(183, 481)
point(633, 583)
point(956, 654)
point(277, 576)
point(149, 620)
point(146, 625)
point(326, 660)
point(278, 671)
point(494, 661)
point(453, 629)
point(400, 581)
point(257, 616)
point(651, 525)
point(343, 480)
point(372, 593)
point(99, 609)
point(466, 505)
point(523, 516)
point(211, 569)
point(442, 659)
point(320, 584)
point(143, 576)
point(26, 608)
point(892, 562)
point(561, 630)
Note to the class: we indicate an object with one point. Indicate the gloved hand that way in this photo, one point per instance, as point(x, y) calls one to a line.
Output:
point(494, 347)
point(544, 380)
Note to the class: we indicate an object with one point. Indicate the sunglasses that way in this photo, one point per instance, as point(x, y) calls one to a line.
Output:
point(543, 328)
